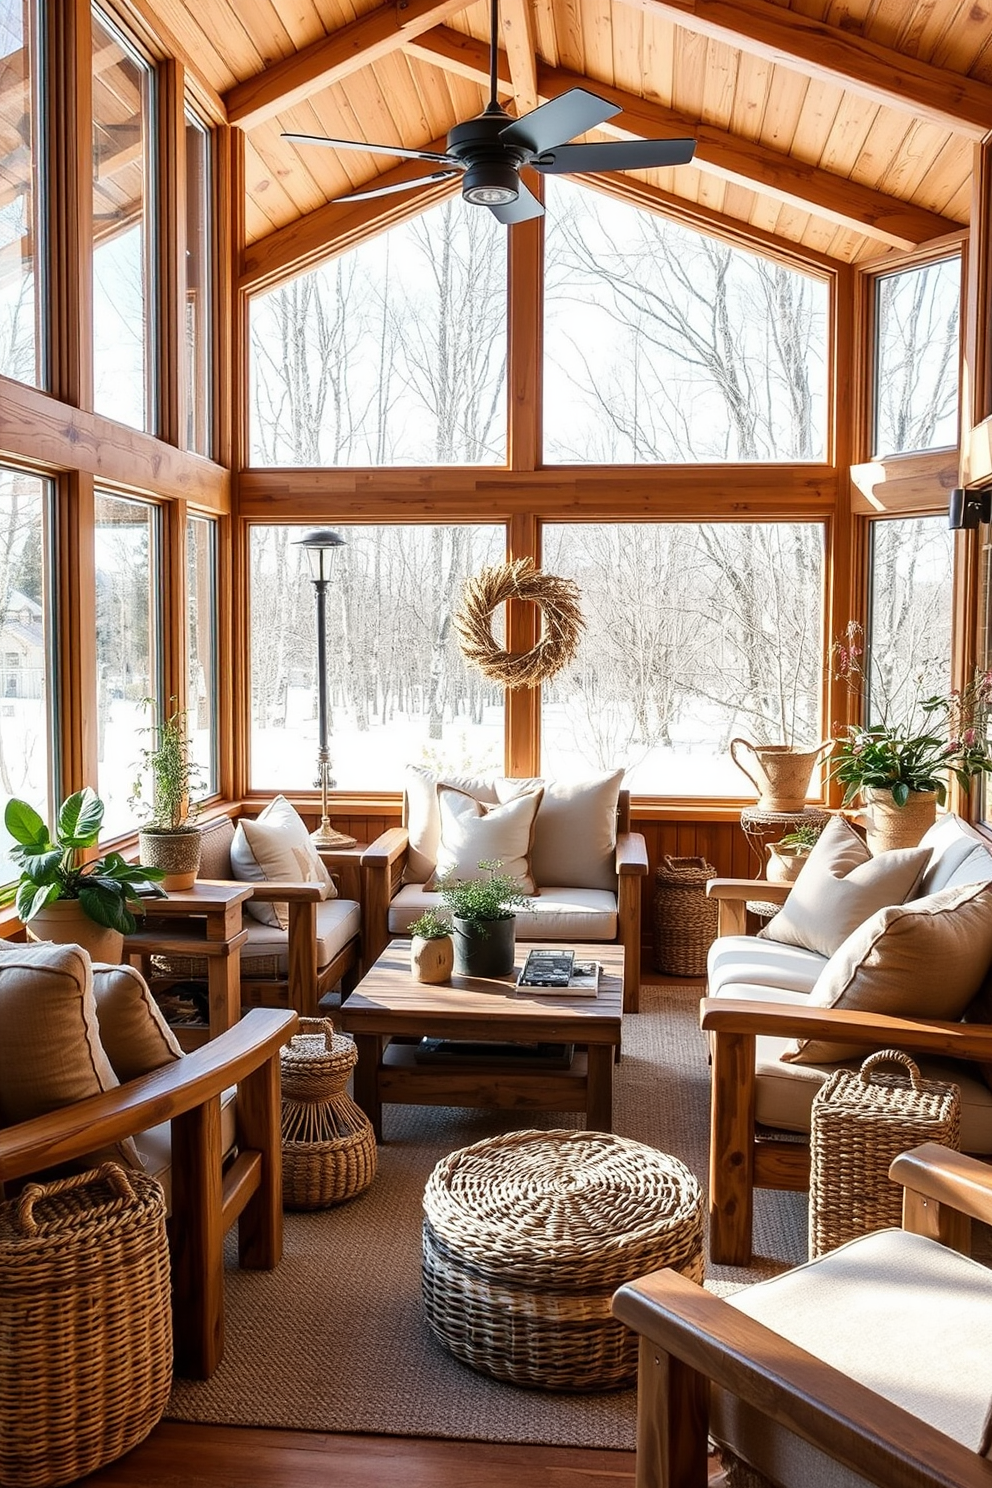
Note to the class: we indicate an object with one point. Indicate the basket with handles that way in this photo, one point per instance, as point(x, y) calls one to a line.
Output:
point(862, 1119)
point(328, 1146)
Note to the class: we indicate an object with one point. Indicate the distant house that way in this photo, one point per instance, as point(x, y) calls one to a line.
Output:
point(22, 648)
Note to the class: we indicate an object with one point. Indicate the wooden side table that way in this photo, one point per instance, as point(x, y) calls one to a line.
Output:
point(202, 921)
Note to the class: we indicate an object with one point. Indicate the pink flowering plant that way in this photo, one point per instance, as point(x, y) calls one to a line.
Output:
point(944, 734)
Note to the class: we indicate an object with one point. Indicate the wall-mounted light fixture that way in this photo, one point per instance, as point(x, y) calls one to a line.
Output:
point(968, 508)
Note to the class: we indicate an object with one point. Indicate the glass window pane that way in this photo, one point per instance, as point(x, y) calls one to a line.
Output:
point(916, 358)
point(909, 627)
point(26, 631)
point(122, 238)
point(199, 299)
point(694, 634)
point(662, 345)
point(399, 691)
point(127, 646)
point(202, 681)
point(21, 256)
point(393, 354)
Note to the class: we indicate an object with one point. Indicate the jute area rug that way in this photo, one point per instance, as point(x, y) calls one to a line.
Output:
point(335, 1340)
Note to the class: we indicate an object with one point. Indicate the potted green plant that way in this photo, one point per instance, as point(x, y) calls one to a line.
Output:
point(483, 912)
point(787, 856)
point(59, 896)
point(169, 840)
point(432, 955)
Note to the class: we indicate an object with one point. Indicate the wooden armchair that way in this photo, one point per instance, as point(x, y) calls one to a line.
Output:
point(385, 914)
point(780, 1374)
point(206, 1197)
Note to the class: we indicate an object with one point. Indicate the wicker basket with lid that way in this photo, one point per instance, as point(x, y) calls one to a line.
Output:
point(328, 1146)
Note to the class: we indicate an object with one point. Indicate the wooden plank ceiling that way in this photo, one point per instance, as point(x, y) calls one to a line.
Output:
point(843, 126)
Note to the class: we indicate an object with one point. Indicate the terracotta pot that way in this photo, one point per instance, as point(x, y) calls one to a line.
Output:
point(785, 862)
point(176, 853)
point(432, 960)
point(484, 948)
point(783, 773)
point(66, 923)
point(888, 826)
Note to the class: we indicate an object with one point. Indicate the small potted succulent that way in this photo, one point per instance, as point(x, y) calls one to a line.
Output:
point(432, 954)
point(483, 912)
point(62, 898)
point(169, 839)
point(787, 856)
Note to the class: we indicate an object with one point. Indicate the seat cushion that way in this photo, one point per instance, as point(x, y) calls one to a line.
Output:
point(473, 833)
point(276, 848)
point(900, 1314)
point(766, 963)
point(925, 959)
point(575, 835)
point(557, 914)
point(154, 1146)
point(840, 886)
point(266, 951)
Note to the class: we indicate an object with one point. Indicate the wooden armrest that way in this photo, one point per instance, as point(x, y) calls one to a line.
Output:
point(73, 1131)
point(748, 888)
point(632, 853)
point(790, 1020)
point(948, 1177)
point(850, 1423)
point(289, 893)
point(387, 847)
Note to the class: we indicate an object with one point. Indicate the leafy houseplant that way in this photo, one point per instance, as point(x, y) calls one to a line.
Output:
point(169, 840)
point(483, 911)
point(787, 856)
point(431, 925)
point(52, 867)
point(432, 955)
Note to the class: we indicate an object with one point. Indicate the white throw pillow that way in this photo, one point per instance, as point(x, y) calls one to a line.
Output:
point(276, 848)
point(474, 833)
point(840, 886)
point(423, 819)
point(575, 835)
point(925, 959)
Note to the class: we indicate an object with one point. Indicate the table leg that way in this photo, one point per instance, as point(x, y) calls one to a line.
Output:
point(224, 991)
point(370, 1047)
point(599, 1088)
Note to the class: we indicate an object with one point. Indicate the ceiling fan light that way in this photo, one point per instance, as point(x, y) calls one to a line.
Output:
point(492, 184)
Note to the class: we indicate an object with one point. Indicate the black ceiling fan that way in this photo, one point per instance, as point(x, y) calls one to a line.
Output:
point(489, 150)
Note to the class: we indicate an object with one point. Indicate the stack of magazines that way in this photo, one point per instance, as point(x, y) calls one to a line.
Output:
point(550, 972)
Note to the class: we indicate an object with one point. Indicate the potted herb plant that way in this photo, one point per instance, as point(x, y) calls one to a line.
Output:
point(787, 856)
point(483, 912)
point(169, 840)
point(432, 954)
point(62, 898)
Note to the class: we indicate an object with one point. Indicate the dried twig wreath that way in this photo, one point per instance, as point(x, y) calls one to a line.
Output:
point(562, 622)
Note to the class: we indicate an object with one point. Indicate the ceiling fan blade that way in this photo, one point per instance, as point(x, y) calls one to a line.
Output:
point(336, 144)
point(523, 209)
point(397, 186)
point(563, 118)
point(617, 155)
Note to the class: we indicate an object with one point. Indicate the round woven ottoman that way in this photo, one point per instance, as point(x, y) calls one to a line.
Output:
point(528, 1235)
point(328, 1146)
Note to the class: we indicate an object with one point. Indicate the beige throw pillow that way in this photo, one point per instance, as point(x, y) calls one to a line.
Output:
point(840, 886)
point(423, 817)
point(134, 1034)
point(276, 848)
point(51, 1053)
point(575, 835)
point(926, 959)
point(474, 833)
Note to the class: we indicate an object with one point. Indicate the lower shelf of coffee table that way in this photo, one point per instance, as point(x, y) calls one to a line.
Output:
point(405, 1082)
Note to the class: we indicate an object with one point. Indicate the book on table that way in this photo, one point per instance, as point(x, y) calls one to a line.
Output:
point(549, 972)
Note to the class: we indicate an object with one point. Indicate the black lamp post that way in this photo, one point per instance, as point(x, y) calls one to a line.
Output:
point(319, 547)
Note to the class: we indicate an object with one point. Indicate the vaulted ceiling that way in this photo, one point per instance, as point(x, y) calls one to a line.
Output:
point(843, 126)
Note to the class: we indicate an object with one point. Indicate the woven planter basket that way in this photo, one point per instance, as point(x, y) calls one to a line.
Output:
point(328, 1146)
point(861, 1121)
point(85, 1324)
point(528, 1235)
point(684, 919)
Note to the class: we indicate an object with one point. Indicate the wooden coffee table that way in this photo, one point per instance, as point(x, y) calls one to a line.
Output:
point(389, 1005)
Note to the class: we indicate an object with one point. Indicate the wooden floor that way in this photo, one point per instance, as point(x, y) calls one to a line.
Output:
point(231, 1457)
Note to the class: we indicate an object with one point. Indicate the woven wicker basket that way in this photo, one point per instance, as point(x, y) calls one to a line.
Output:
point(328, 1146)
point(684, 919)
point(861, 1121)
point(527, 1236)
point(85, 1324)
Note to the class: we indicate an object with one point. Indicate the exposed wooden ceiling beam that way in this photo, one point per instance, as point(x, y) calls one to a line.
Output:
point(337, 56)
point(837, 56)
point(852, 205)
point(462, 55)
point(516, 21)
